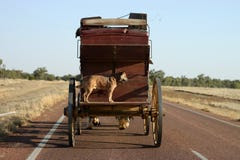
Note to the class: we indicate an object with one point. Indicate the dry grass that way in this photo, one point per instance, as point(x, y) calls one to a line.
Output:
point(220, 92)
point(28, 99)
point(224, 102)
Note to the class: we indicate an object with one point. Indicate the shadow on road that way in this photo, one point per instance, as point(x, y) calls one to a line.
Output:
point(84, 144)
point(103, 137)
point(31, 135)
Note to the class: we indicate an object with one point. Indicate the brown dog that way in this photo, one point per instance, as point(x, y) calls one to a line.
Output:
point(102, 83)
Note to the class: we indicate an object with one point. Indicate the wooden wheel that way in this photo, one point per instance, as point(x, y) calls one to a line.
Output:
point(71, 108)
point(146, 124)
point(156, 111)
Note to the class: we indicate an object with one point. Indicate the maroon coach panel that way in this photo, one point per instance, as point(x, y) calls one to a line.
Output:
point(114, 36)
point(106, 51)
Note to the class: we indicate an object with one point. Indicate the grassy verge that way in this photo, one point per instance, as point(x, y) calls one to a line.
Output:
point(29, 99)
point(224, 102)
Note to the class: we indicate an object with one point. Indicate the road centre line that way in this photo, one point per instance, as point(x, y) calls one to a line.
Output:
point(5, 114)
point(200, 156)
point(207, 116)
point(41, 145)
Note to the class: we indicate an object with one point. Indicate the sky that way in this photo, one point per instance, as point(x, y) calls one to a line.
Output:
point(190, 37)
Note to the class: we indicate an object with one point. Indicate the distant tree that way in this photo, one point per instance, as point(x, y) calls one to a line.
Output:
point(49, 77)
point(185, 81)
point(58, 78)
point(208, 81)
point(235, 84)
point(25, 75)
point(217, 83)
point(227, 83)
point(168, 81)
point(177, 82)
point(156, 74)
point(78, 77)
point(2, 69)
point(40, 73)
point(67, 77)
point(201, 80)
point(31, 77)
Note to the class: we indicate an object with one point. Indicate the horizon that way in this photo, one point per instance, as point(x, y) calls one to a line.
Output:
point(165, 75)
point(189, 38)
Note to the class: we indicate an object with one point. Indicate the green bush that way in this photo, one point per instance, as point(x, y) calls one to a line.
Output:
point(200, 81)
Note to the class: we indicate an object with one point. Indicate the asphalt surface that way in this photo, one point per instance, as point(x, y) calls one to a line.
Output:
point(186, 135)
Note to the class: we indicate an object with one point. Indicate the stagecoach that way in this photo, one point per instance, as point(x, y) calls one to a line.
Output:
point(108, 46)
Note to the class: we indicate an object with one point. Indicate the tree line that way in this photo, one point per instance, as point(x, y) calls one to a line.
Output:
point(40, 73)
point(199, 81)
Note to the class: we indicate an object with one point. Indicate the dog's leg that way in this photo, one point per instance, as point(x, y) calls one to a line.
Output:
point(110, 93)
point(85, 96)
point(89, 91)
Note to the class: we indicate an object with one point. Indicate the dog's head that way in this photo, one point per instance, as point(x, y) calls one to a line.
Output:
point(120, 77)
point(123, 77)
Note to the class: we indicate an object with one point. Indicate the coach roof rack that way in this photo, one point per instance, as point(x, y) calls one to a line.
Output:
point(97, 22)
point(134, 21)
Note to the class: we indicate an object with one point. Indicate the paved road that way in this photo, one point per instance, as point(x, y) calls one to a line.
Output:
point(186, 135)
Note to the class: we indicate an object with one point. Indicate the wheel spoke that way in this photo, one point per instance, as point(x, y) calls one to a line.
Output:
point(146, 122)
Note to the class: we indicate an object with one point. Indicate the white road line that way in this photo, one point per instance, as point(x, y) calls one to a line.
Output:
point(200, 156)
point(41, 145)
point(5, 114)
point(207, 116)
